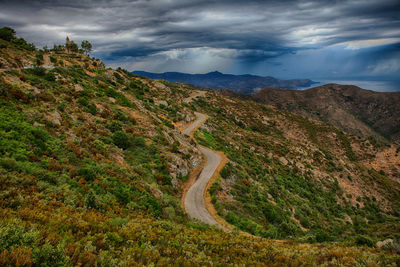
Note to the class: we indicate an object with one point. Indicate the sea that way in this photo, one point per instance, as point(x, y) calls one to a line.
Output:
point(378, 86)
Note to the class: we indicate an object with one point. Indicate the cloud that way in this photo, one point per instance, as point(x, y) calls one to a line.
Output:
point(238, 35)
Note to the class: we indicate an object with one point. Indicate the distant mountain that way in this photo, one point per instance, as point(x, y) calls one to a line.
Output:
point(348, 107)
point(244, 84)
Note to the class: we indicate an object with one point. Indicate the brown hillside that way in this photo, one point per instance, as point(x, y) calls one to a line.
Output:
point(362, 112)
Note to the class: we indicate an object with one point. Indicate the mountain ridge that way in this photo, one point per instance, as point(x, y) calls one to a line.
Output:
point(360, 111)
point(244, 84)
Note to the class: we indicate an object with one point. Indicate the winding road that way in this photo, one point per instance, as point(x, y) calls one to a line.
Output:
point(201, 118)
point(194, 202)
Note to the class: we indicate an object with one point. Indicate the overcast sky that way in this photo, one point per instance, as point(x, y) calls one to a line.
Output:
point(285, 39)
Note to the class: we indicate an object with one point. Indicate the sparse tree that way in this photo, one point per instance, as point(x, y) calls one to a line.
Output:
point(7, 33)
point(72, 46)
point(86, 46)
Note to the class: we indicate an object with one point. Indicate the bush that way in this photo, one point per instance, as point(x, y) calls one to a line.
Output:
point(88, 173)
point(50, 77)
point(272, 213)
point(39, 59)
point(83, 101)
point(121, 140)
point(364, 241)
point(91, 108)
point(121, 191)
point(91, 201)
point(23, 44)
point(49, 256)
point(226, 171)
point(53, 59)
point(151, 204)
point(9, 164)
point(7, 34)
point(13, 234)
point(286, 229)
point(39, 71)
point(321, 236)
point(114, 126)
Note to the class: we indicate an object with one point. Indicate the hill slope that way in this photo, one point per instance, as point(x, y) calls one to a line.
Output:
point(348, 107)
point(244, 84)
point(93, 166)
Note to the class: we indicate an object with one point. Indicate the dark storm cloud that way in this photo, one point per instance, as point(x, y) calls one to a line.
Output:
point(175, 30)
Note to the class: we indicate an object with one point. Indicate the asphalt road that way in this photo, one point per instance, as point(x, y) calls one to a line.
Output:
point(194, 200)
point(200, 119)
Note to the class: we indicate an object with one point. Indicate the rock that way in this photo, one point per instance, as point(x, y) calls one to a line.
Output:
point(36, 90)
point(78, 87)
point(300, 165)
point(169, 138)
point(183, 170)
point(283, 161)
point(384, 243)
point(156, 193)
point(195, 161)
point(174, 182)
point(55, 118)
point(162, 102)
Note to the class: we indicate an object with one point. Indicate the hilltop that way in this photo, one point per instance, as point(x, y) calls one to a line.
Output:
point(94, 165)
point(362, 112)
point(245, 84)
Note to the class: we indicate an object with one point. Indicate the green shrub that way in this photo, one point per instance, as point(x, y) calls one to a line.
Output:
point(121, 192)
point(91, 108)
point(53, 59)
point(286, 229)
point(226, 171)
point(39, 59)
point(49, 76)
point(113, 238)
point(151, 203)
point(88, 173)
point(322, 236)
point(114, 126)
point(121, 140)
point(7, 34)
point(13, 234)
point(91, 201)
point(39, 71)
point(9, 164)
point(49, 256)
point(83, 101)
point(364, 241)
point(272, 213)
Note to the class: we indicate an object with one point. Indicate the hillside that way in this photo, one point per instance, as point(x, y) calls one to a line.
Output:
point(245, 84)
point(362, 112)
point(93, 167)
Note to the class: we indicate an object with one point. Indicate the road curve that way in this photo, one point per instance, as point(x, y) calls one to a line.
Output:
point(194, 95)
point(194, 199)
point(201, 118)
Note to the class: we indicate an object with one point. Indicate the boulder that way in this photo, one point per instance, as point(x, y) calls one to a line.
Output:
point(283, 161)
point(385, 243)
